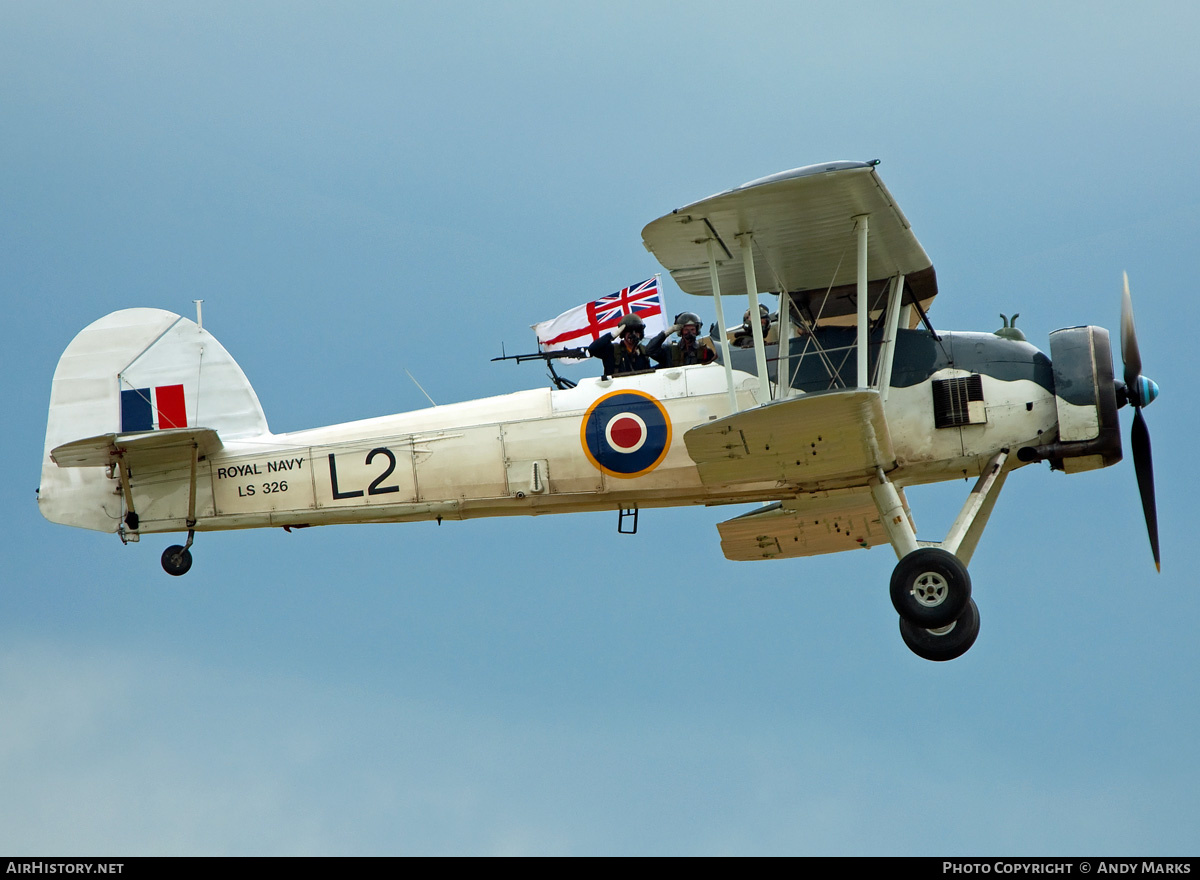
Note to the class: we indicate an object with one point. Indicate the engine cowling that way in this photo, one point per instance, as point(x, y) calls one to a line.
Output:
point(1085, 395)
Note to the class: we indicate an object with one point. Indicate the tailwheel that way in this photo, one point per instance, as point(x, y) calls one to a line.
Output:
point(943, 643)
point(176, 559)
point(930, 588)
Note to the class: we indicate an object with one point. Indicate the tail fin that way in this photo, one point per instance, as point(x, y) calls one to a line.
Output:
point(132, 371)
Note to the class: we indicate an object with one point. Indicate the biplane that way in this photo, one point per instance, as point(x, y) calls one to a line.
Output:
point(153, 428)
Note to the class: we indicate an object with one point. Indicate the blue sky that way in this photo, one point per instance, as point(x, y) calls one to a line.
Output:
point(362, 189)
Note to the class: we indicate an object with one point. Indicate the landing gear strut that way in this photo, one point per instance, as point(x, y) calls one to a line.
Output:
point(176, 560)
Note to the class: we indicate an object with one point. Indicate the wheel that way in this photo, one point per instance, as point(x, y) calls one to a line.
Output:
point(947, 642)
point(930, 588)
point(176, 560)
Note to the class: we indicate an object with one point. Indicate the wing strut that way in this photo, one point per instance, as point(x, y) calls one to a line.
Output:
point(716, 291)
point(889, 335)
point(861, 226)
point(783, 365)
point(760, 351)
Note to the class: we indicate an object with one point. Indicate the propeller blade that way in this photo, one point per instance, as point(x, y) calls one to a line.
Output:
point(1144, 467)
point(1130, 356)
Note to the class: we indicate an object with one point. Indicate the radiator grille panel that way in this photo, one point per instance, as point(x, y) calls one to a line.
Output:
point(958, 402)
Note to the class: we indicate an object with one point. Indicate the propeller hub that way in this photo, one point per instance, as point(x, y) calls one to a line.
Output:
point(1146, 390)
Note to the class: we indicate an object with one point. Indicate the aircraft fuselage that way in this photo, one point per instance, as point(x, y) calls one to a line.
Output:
point(557, 451)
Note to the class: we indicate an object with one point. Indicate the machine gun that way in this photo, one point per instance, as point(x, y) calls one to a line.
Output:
point(560, 382)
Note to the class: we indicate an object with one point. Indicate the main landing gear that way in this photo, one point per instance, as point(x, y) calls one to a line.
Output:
point(930, 588)
point(946, 642)
point(176, 560)
point(931, 591)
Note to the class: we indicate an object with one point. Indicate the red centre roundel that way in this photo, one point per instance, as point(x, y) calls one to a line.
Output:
point(626, 432)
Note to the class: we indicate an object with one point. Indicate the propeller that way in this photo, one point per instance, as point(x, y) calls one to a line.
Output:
point(1139, 392)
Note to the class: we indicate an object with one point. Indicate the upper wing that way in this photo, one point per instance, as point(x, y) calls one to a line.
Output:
point(822, 522)
point(816, 441)
point(803, 226)
point(167, 446)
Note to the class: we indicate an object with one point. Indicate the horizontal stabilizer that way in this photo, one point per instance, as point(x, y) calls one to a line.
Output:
point(810, 525)
point(823, 440)
point(172, 445)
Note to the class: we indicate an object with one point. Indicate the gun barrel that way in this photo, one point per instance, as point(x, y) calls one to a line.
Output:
point(546, 355)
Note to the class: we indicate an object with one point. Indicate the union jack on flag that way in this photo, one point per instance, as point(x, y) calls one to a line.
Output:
point(584, 324)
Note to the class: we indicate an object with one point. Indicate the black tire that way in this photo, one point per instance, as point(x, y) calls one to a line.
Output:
point(946, 643)
point(176, 560)
point(930, 588)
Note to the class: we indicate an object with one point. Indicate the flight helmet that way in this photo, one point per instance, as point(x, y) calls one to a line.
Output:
point(632, 322)
point(763, 312)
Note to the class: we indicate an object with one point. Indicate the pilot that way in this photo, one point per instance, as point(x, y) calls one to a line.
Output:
point(688, 350)
point(627, 354)
point(743, 337)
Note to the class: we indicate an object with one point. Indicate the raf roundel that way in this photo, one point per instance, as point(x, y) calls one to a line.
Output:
point(626, 433)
